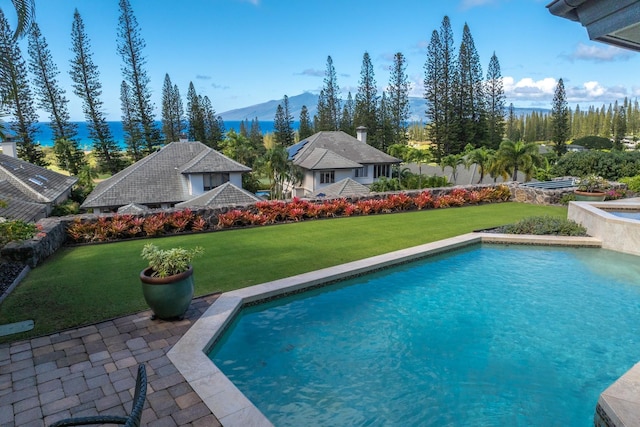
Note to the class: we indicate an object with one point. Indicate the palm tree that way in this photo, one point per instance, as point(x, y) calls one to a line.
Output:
point(481, 157)
point(26, 11)
point(452, 160)
point(519, 156)
point(419, 156)
point(280, 170)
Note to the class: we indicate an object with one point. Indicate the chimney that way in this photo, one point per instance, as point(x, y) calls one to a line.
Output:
point(9, 149)
point(183, 137)
point(361, 134)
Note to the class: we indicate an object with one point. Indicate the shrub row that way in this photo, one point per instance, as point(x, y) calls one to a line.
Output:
point(118, 227)
point(271, 212)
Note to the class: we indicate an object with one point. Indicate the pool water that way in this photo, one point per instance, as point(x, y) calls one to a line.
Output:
point(626, 214)
point(486, 336)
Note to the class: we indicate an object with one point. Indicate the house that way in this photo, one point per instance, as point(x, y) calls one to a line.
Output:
point(29, 192)
point(609, 21)
point(328, 157)
point(178, 172)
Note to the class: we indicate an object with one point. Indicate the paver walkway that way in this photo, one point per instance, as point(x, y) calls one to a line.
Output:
point(92, 370)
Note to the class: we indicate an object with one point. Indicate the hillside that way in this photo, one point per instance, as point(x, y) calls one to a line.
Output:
point(266, 111)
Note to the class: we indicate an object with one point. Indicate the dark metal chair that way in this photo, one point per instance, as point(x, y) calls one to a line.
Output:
point(133, 420)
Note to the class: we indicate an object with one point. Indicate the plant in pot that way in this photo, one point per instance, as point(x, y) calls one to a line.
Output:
point(591, 188)
point(167, 283)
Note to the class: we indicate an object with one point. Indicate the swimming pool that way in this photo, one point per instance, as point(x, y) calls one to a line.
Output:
point(626, 214)
point(488, 335)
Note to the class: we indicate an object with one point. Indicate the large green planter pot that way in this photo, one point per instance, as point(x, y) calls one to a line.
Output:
point(168, 297)
point(583, 196)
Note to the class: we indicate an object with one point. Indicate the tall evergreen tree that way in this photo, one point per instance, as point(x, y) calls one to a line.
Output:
point(18, 99)
point(469, 110)
point(513, 132)
point(399, 99)
point(439, 82)
point(130, 125)
point(52, 99)
point(87, 86)
point(619, 127)
point(495, 103)
point(283, 124)
point(130, 46)
point(329, 108)
point(172, 111)
point(255, 134)
point(384, 132)
point(366, 108)
point(195, 116)
point(213, 125)
point(347, 124)
point(306, 127)
point(560, 119)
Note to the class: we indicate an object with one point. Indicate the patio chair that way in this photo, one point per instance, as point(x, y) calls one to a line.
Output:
point(133, 420)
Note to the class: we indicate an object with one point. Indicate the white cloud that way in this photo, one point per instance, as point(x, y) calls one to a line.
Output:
point(528, 89)
point(599, 53)
point(540, 92)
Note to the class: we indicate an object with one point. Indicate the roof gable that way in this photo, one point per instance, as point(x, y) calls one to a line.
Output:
point(344, 187)
point(226, 194)
point(16, 205)
point(343, 145)
point(321, 158)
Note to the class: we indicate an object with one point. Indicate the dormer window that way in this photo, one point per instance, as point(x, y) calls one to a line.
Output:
point(213, 180)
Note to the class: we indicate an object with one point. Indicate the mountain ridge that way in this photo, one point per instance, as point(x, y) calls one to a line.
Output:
point(266, 111)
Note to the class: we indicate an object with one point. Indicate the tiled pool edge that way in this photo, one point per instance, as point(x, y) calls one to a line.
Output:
point(226, 402)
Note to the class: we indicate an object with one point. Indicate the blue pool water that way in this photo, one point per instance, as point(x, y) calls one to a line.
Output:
point(486, 336)
point(626, 214)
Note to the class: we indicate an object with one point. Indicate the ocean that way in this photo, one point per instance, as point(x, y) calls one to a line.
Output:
point(45, 136)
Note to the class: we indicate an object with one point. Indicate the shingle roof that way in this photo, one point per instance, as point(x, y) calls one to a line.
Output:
point(158, 178)
point(342, 144)
point(132, 208)
point(226, 194)
point(17, 207)
point(38, 184)
point(344, 187)
point(321, 158)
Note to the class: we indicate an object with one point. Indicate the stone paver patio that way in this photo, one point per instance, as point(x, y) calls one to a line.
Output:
point(92, 370)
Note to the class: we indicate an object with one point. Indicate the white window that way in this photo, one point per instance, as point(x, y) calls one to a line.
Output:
point(381, 170)
point(327, 177)
point(212, 180)
point(362, 172)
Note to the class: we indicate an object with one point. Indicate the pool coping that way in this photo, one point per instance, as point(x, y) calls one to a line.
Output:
point(230, 406)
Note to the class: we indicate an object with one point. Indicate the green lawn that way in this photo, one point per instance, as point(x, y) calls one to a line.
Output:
point(87, 284)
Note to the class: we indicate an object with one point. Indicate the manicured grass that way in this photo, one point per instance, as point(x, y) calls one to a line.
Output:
point(87, 284)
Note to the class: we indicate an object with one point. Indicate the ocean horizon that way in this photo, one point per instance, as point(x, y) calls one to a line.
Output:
point(45, 136)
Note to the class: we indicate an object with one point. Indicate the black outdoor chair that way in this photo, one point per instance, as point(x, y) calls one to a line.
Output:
point(133, 420)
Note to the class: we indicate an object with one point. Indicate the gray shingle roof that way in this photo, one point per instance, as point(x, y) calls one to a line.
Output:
point(17, 207)
point(160, 177)
point(344, 187)
point(133, 209)
point(321, 158)
point(342, 144)
point(226, 194)
point(38, 184)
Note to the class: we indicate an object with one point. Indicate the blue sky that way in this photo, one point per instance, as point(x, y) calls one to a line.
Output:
point(244, 52)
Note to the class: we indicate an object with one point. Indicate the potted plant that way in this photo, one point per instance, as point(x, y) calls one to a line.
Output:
point(167, 283)
point(591, 188)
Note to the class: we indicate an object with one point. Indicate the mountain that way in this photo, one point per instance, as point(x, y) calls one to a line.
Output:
point(266, 111)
